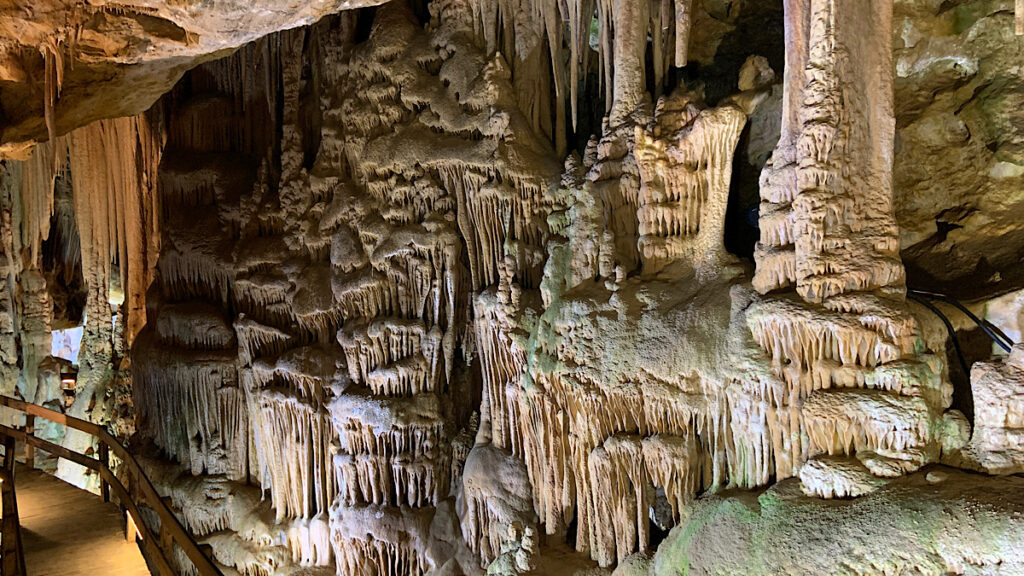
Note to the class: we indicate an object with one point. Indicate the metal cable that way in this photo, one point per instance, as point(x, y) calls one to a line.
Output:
point(991, 331)
point(912, 294)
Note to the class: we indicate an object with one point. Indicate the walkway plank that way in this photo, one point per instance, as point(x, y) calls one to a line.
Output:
point(71, 532)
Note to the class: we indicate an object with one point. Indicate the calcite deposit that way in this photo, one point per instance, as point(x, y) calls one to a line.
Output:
point(476, 287)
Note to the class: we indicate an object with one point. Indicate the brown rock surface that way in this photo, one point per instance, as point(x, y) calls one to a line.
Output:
point(109, 59)
point(959, 163)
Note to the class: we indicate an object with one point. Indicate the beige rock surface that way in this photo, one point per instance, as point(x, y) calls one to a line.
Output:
point(390, 314)
point(959, 161)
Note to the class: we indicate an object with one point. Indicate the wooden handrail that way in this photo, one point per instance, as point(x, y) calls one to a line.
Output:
point(159, 547)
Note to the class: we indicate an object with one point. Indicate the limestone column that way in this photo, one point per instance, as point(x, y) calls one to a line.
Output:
point(630, 20)
point(844, 344)
point(826, 215)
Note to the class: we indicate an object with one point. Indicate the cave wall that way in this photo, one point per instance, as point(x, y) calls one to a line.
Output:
point(444, 288)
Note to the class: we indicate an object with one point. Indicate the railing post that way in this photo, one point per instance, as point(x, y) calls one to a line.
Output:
point(131, 531)
point(9, 447)
point(12, 554)
point(166, 542)
point(30, 450)
point(105, 465)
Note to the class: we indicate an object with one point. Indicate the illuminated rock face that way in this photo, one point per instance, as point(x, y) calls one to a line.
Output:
point(997, 444)
point(377, 297)
point(845, 343)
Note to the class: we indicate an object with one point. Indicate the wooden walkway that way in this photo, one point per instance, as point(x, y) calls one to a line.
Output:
point(70, 532)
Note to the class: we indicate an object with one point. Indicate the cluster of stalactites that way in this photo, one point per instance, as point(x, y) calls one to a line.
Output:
point(518, 30)
point(33, 205)
point(379, 540)
point(852, 379)
point(679, 445)
point(298, 468)
point(502, 359)
point(685, 164)
point(800, 339)
point(391, 449)
point(393, 356)
point(191, 405)
point(625, 472)
point(698, 459)
point(245, 311)
point(112, 166)
point(499, 220)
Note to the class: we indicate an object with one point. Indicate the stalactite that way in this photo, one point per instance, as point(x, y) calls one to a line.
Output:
point(685, 164)
point(113, 171)
point(683, 16)
point(35, 203)
point(191, 404)
point(256, 339)
point(310, 541)
point(620, 60)
point(53, 80)
point(298, 470)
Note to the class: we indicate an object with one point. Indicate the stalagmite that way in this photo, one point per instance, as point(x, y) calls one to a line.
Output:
point(597, 432)
point(496, 510)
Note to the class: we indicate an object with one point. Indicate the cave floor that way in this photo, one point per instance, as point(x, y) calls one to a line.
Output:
point(70, 532)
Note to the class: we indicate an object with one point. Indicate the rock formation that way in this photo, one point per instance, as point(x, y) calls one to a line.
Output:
point(444, 288)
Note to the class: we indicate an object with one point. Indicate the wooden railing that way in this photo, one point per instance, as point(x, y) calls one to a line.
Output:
point(159, 548)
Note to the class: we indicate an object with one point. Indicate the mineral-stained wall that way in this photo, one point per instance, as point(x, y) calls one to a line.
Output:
point(386, 304)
